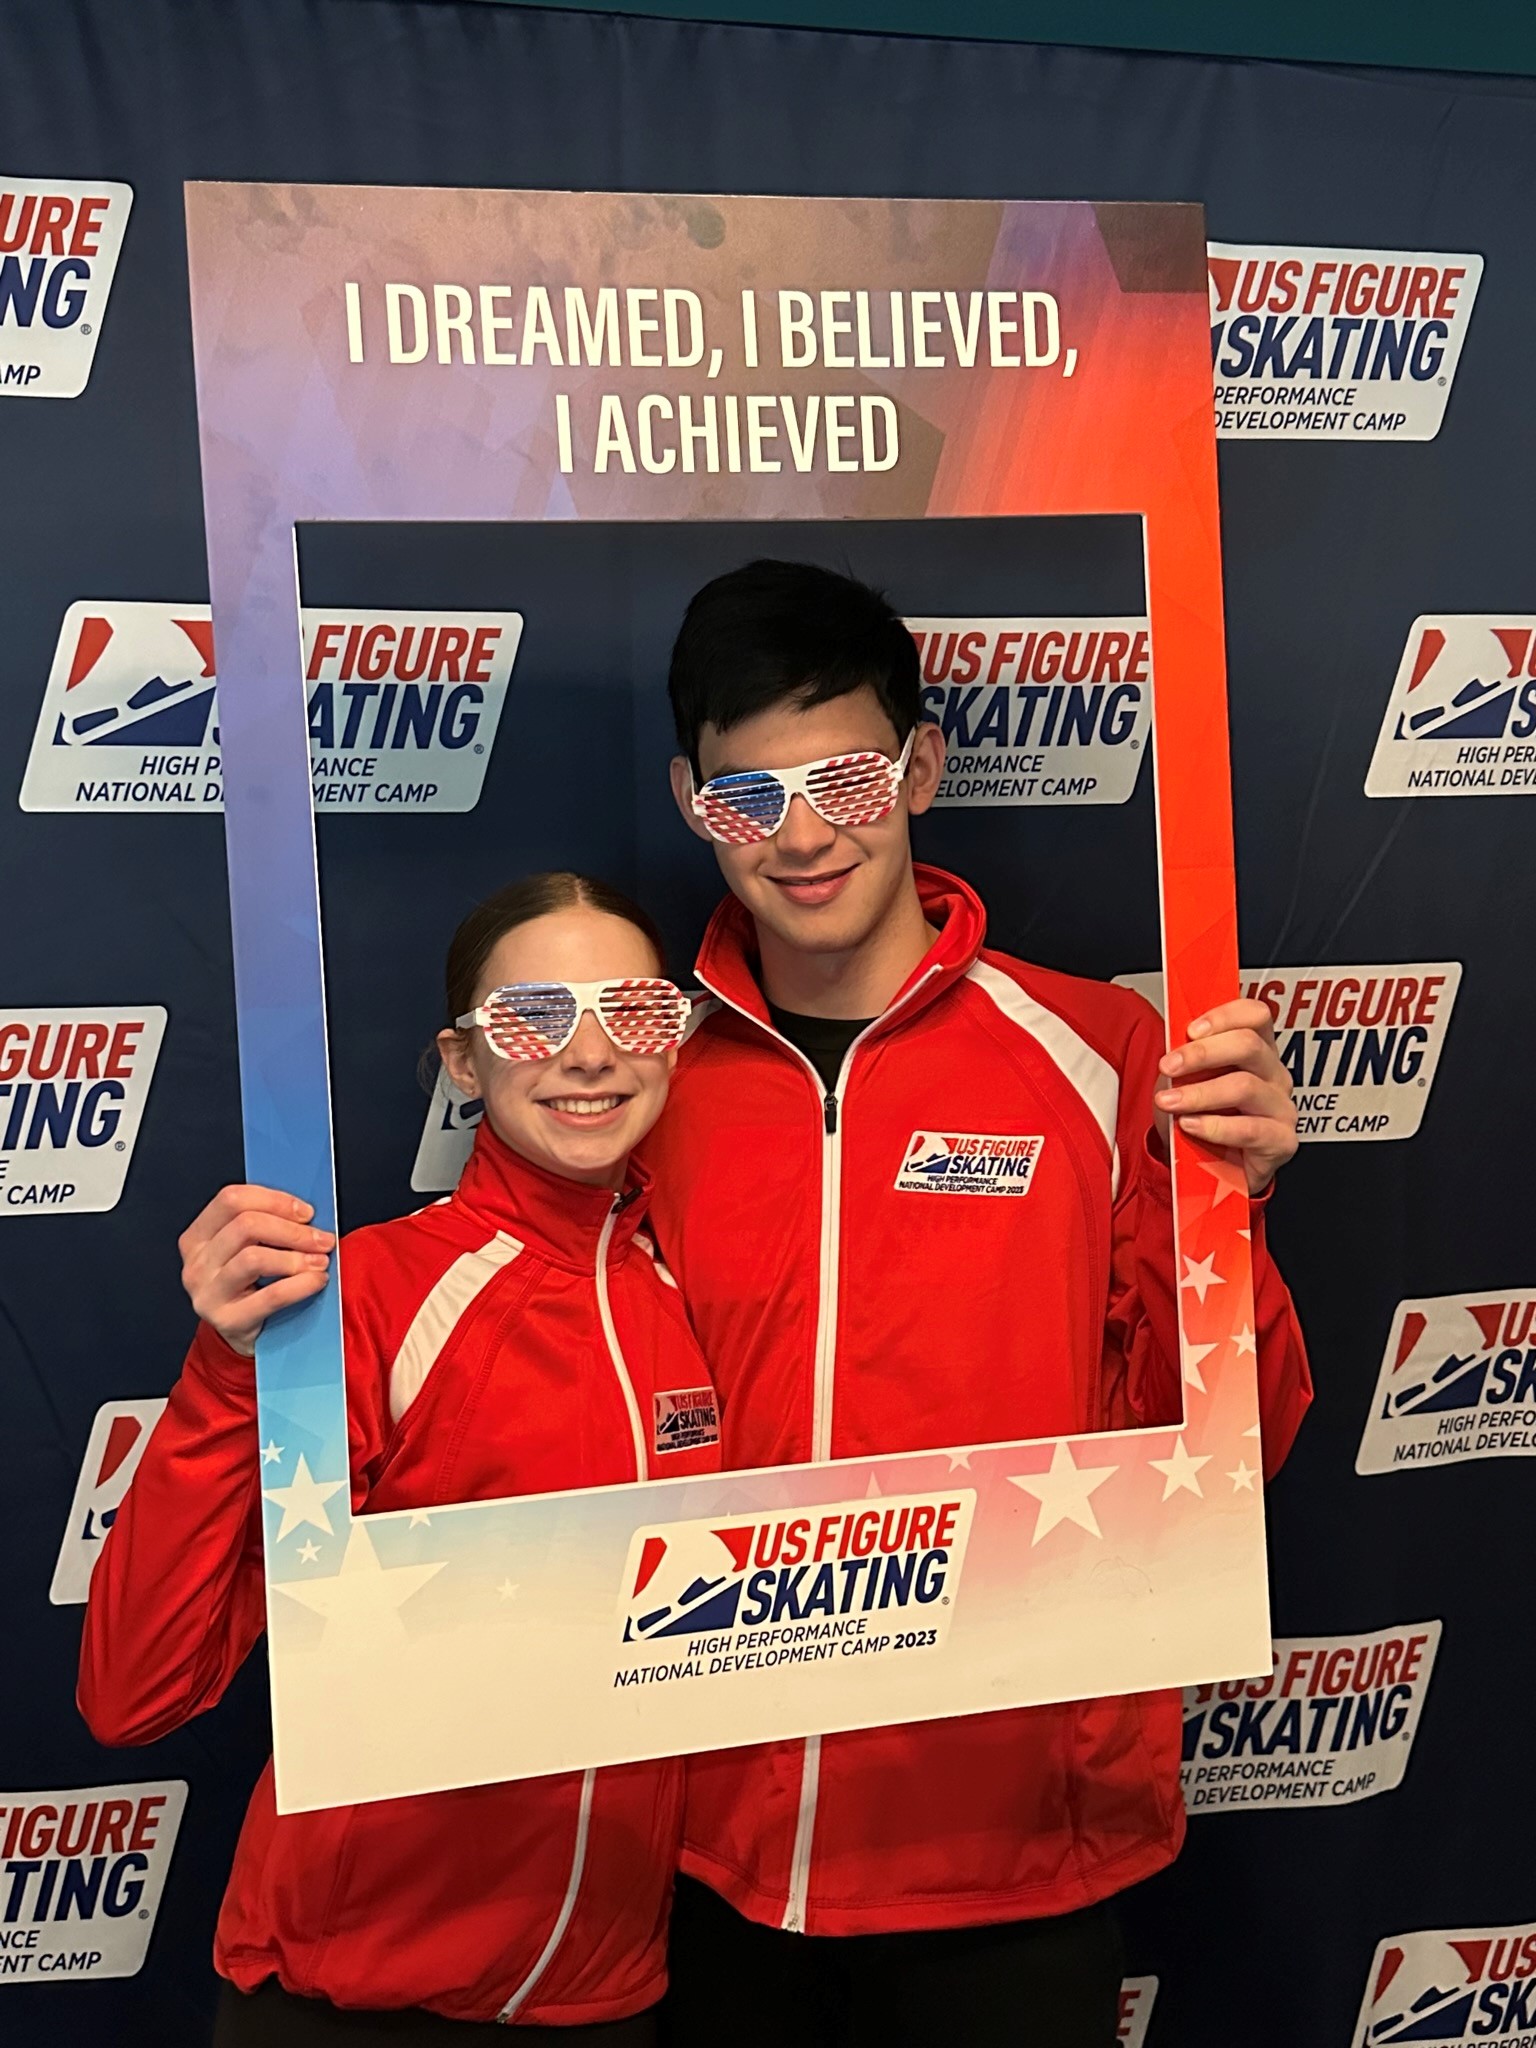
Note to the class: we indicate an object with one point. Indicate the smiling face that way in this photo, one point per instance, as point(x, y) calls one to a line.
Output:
point(581, 1113)
point(819, 888)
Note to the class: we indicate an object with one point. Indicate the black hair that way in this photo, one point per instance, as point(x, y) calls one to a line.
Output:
point(488, 923)
point(788, 632)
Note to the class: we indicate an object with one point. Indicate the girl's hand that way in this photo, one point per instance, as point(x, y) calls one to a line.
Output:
point(251, 1252)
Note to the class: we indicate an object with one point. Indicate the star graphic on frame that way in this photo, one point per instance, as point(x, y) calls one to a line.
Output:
point(1063, 1492)
point(1191, 1359)
point(364, 1597)
point(1180, 1471)
point(303, 1501)
point(1201, 1275)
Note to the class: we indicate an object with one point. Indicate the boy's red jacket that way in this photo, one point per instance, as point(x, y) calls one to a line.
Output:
point(844, 1316)
point(513, 1339)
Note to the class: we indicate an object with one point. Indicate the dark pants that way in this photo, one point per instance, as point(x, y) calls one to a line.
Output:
point(273, 2018)
point(1026, 1984)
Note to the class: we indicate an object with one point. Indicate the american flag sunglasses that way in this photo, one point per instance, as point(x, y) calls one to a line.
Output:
point(844, 789)
point(534, 1020)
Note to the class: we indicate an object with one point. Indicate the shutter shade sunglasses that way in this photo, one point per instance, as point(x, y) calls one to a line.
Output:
point(534, 1020)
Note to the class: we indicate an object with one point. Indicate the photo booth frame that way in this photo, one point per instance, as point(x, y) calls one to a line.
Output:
point(370, 353)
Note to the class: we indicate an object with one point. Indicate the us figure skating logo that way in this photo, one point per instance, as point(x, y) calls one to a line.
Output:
point(1457, 1381)
point(402, 709)
point(73, 1086)
point(686, 1581)
point(1037, 711)
point(1336, 344)
point(1362, 1044)
point(1331, 1722)
point(968, 1163)
point(141, 678)
point(1452, 1989)
point(1461, 717)
point(447, 1138)
point(118, 1437)
point(748, 1592)
point(686, 1419)
point(85, 1869)
point(1137, 1995)
point(59, 244)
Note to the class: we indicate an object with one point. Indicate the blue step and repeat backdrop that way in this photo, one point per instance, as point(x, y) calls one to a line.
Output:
point(1359, 1867)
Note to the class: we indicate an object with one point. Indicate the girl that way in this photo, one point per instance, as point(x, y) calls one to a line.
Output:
point(512, 1339)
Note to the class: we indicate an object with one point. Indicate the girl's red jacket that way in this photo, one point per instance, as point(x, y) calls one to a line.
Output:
point(845, 1313)
point(517, 1338)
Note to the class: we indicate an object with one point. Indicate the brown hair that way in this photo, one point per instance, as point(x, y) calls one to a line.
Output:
point(520, 903)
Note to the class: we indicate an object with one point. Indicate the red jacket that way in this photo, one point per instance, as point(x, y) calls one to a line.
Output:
point(478, 1366)
point(844, 1316)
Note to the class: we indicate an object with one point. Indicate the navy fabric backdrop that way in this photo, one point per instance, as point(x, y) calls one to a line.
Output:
point(1263, 1934)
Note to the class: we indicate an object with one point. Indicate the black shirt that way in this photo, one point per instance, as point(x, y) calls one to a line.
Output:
point(823, 1040)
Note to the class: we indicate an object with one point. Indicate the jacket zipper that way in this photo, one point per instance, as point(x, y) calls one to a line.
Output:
point(611, 1336)
point(821, 1390)
point(821, 1449)
point(515, 2003)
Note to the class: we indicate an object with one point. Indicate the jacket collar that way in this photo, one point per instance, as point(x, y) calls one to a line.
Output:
point(561, 1219)
point(727, 962)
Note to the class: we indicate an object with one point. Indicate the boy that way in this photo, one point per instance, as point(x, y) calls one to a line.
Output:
point(845, 1314)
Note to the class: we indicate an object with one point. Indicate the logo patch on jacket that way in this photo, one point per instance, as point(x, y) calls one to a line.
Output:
point(964, 1163)
point(687, 1419)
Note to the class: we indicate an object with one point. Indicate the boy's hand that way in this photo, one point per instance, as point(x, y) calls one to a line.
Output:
point(245, 1237)
point(1227, 1086)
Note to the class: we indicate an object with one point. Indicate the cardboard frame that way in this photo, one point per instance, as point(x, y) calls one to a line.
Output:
point(488, 1640)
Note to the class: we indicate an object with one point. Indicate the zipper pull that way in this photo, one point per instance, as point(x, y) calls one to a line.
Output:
point(829, 1115)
